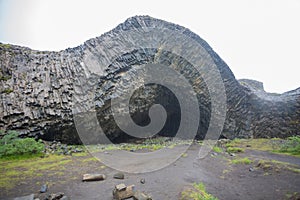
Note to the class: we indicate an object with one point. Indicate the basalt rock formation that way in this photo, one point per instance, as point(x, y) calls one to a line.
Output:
point(40, 90)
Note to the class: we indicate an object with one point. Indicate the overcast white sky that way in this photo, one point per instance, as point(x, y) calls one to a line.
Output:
point(258, 39)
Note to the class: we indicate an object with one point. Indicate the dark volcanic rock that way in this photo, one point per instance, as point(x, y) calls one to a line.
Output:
point(273, 115)
point(119, 175)
point(41, 90)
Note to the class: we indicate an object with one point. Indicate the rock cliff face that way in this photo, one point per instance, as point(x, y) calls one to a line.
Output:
point(274, 115)
point(40, 90)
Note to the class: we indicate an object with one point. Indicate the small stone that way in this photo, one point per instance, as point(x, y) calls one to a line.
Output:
point(44, 188)
point(142, 181)
point(119, 175)
point(141, 196)
point(93, 177)
point(214, 154)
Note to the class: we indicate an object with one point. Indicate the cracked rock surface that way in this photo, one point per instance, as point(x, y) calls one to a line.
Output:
point(41, 90)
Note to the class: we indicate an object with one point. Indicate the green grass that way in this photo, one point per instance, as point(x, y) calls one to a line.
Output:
point(21, 157)
point(197, 192)
point(289, 146)
point(261, 144)
point(14, 170)
point(91, 159)
point(217, 149)
point(234, 150)
point(275, 165)
point(14, 147)
point(245, 161)
point(81, 154)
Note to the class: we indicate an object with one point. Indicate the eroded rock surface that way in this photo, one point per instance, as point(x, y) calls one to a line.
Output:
point(41, 90)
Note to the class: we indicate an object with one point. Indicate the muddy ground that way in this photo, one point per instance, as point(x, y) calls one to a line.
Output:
point(278, 179)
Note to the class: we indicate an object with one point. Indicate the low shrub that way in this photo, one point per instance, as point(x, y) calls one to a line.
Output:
point(12, 145)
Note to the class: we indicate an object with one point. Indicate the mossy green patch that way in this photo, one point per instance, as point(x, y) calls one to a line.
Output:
point(275, 165)
point(217, 149)
point(14, 170)
point(234, 150)
point(91, 159)
point(81, 154)
point(290, 146)
point(245, 160)
point(197, 192)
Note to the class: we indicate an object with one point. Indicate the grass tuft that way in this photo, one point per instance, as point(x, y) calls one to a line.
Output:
point(197, 192)
point(217, 149)
point(245, 161)
point(234, 150)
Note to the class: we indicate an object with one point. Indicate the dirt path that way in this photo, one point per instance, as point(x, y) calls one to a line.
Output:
point(222, 178)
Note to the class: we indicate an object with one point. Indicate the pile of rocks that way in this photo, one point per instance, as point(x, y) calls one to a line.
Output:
point(59, 148)
point(121, 191)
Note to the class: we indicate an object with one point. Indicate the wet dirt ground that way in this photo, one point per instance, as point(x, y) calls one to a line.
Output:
point(222, 178)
